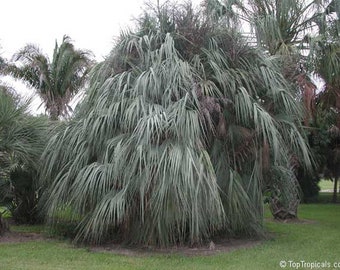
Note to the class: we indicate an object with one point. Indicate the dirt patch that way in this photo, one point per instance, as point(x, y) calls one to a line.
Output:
point(212, 248)
point(18, 237)
point(292, 221)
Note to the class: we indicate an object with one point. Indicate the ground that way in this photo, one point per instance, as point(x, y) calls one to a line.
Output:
point(313, 238)
point(19, 237)
point(211, 248)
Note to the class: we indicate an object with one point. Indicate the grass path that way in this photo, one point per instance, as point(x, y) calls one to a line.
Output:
point(314, 240)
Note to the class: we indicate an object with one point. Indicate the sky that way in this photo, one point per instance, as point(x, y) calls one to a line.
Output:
point(91, 24)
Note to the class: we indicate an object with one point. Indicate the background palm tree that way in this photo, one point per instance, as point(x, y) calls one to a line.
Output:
point(325, 61)
point(284, 29)
point(56, 81)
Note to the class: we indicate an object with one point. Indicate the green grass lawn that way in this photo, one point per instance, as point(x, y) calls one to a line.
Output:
point(326, 185)
point(317, 239)
point(28, 229)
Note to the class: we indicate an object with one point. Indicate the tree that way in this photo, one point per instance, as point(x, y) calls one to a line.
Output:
point(56, 81)
point(176, 141)
point(285, 29)
point(22, 140)
point(324, 59)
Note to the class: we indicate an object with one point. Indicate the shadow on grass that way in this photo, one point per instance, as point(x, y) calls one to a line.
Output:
point(326, 197)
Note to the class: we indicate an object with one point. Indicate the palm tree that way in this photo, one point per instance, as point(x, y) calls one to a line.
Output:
point(22, 140)
point(56, 81)
point(284, 29)
point(176, 141)
point(325, 60)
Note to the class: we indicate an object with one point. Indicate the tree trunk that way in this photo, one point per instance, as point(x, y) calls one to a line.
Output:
point(3, 225)
point(334, 199)
point(281, 212)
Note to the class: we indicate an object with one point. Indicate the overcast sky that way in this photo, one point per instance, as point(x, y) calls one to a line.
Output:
point(91, 24)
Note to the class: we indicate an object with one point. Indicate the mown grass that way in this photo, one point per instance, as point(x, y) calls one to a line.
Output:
point(326, 197)
point(326, 192)
point(314, 239)
point(28, 229)
point(326, 185)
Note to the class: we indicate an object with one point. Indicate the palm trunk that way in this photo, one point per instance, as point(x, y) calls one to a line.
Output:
point(337, 105)
point(334, 199)
point(54, 111)
point(54, 116)
point(281, 212)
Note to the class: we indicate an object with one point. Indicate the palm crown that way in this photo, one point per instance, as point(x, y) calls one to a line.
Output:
point(55, 81)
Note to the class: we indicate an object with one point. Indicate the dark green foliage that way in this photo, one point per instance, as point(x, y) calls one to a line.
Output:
point(309, 185)
point(66, 223)
point(22, 196)
point(22, 140)
point(324, 59)
point(319, 140)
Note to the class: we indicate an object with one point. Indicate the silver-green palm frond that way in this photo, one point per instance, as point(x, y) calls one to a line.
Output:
point(147, 158)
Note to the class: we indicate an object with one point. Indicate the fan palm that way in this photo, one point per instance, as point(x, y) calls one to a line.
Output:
point(173, 145)
point(56, 81)
point(22, 140)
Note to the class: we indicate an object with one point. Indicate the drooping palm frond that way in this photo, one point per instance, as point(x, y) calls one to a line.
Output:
point(165, 163)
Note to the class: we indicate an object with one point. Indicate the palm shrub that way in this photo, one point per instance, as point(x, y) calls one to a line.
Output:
point(176, 141)
point(22, 140)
